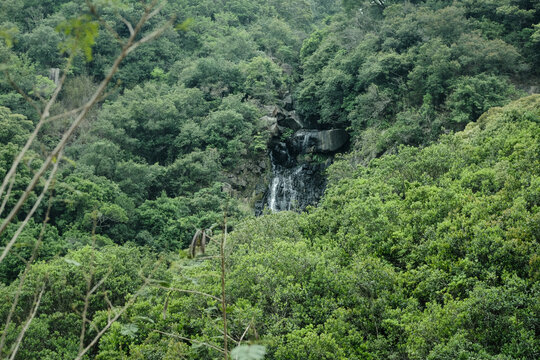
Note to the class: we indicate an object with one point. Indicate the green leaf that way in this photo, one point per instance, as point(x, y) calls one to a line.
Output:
point(8, 34)
point(129, 330)
point(165, 283)
point(72, 262)
point(184, 26)
point(80, 34)
point(248, 352)
point(145, 318)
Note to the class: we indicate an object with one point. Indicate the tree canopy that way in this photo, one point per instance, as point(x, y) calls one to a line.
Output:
point(424, 246)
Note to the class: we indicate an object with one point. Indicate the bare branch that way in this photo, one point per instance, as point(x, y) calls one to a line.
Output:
point(111, 30)
point(244, 334)
point(128, 47)
point(8, 193)
point(27, 324)
point(229, 336)
point(223, 303)
point(128, 24)
point(151, 13)
point(154, 34)
point(9, 245)
point(85, 310)
point(74, 111)
point(189, 292)
point(110, 305)
point(92, 325)
point(117, 315)
point(23, 94)
point(89, 291)
point(64, 114)
point(111, 321)
point(25, 274)
point(191, 340)
point(93, 11)
point(20, 156)
point(100, 282)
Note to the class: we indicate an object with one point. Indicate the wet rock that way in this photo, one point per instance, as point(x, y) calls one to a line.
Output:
point(268, 121)
point(270, 109)
point(290, 123)
point(289, 119)
point(288, 103)
point(332, 140)
point(320, 141)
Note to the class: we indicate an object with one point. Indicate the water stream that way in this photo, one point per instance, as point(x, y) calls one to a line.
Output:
point(295, 183)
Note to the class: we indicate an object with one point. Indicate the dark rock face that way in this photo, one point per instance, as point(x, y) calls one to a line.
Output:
point(294, 184)
point(321, 141)
point(289, 119)
point(288, 103)
point(331, 140)
point(296, 188)
point(297, 181)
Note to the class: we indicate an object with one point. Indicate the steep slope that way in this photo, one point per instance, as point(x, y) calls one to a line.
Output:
point(429, 253)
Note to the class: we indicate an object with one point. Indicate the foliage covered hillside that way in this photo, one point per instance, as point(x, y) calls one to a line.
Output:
point(425, 245)
point(404, 72)
point(425, 254)
point(180, 120)
point(183, 115)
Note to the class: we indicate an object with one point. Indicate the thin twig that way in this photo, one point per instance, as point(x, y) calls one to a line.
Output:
point(223, 303)
point(79, 109)
point(8, 193)
point(109, 304)
point(244, 334)
point(130, 46)
point(43, 115)
point(150, 36)
point(156, 10)
point(100, 282)
point(25, 273)
point(229, 336)
point(89, 291)
point(64, 114)
point(22, 93)
point(27, 324)
point(117, 315)
point(15, 236)
point(111, 321)
point(111, 30)
point(191, 340)
point(189, 292)
point(92, 325)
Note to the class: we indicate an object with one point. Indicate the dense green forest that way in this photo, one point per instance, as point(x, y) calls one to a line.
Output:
point(138, 239)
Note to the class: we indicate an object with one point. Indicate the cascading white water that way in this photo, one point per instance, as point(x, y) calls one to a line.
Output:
point(297, 170)
point(294, 184)
point(283, 194)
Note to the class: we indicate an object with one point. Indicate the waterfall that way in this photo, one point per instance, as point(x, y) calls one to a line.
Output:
point(298, 162)
point(285, 188)
point(294, 184)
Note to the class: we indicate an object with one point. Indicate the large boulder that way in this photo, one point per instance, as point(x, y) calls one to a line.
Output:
point(289, 119)
point(268, 121)
point(320, 141)
point(271, 124)
point(332, 140)
point(288, 103)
